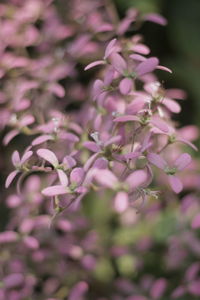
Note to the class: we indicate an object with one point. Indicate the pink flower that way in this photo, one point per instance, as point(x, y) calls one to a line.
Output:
point(19, 165)
point(180, 164)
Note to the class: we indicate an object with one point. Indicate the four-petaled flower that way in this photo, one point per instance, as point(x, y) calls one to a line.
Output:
point(179, 164)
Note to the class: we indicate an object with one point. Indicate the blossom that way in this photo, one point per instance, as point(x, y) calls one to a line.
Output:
point(180, 164)
point(19, 165)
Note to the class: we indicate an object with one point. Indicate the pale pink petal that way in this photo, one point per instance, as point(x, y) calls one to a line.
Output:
point(9, 136)
point(160, 124)
point(69, 162)
point(172, 105)
point(56, 89)
point(31, 242)
point(137, 178)
point(158, 288)
point(49, 156)
point(164, 69)
point(92, 146)
point(90, 161)
point(176, 94)
point(78, 291)
point(68, 136)
point(135, 106)
point(41, 139)
point(55, 190)
point(110, 48)
point(26, 156)
point(109, 75)
point(14, 280)
point(8, 237)
point(182, 161)
point(147, 66)
point(142, 49)
point(113, 140)
point(155, 18)
point(13, 201)
point(100, 163)
point(124, 25)
point(187, 143)
point(138, 57)
point(189, 132)
point(194, 287)
point(23, 104)
point(27, 120)
point(126, 118)
point(196, 222)
point(121, 202)
point(106, 178)
point(179, 292)
point(157, 160)
point(97, 88)
point(94, 64)
point(104, 27)
point(192, 271)
point(125, 86)
point(10, 178)
point(77, 176)
point(16, 159)
point(175, 184)
point(118, 63)
point(62, 177)
point(131, 155)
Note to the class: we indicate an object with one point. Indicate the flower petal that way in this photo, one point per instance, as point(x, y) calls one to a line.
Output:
point(155, 18)
point(110, 48)
point(121, 202)
point(183, 161)
point(160, 124)
point(16, 158)
point(55, 190)
point(69, 162)
point(126, 118)
point(48, 156)
point(100, 163)
point(106, 178)
point(125, 86)
point(90, 161)
point(77, 176)
point(156, 160)
point(94, 64)
point(175, 184)
point(26, 156)
point(137, 178)
point(164, 69)
point(172, 105)
point(10, 178)
point(147, 66)
point(27, 120)
point(184, 141)
point(62, 177)
point(118, 63)
point(41, 139)
point(9, 136)
point(92, 146)
point(196, 222)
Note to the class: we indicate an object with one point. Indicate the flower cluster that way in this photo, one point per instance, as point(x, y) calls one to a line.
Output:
point(82, 104)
